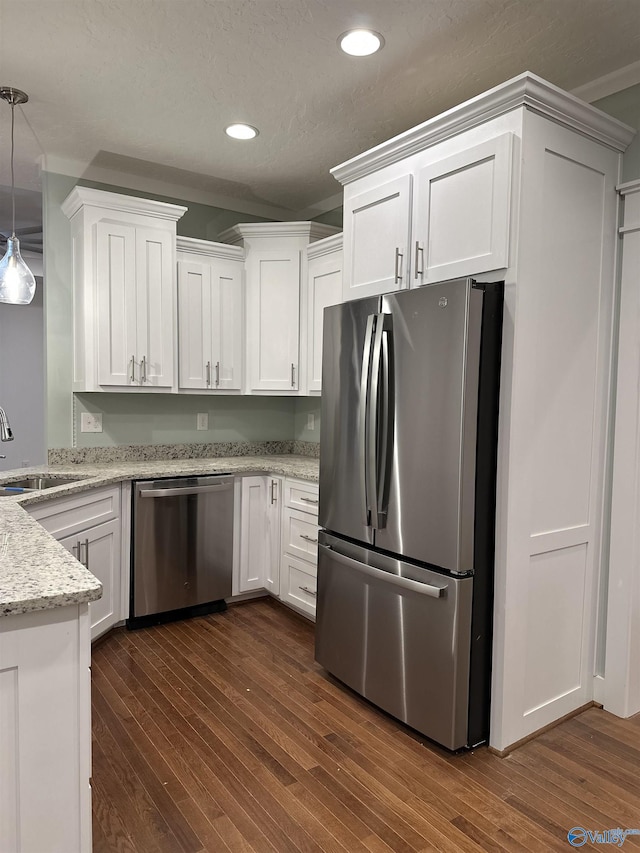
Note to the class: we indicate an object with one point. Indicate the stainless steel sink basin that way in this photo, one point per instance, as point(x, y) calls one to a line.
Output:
point(30, 484)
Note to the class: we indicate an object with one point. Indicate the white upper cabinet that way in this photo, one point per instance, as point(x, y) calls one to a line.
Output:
point(210, 316)
point(428, 219)
point(462, 213)
point(377, 238)
point(276, 305)
point(324, 288)
point(124, 291)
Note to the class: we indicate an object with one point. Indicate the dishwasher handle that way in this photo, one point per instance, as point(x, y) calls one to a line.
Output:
point(172, 492)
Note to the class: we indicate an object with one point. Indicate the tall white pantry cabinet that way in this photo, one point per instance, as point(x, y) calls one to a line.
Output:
point(518, 184)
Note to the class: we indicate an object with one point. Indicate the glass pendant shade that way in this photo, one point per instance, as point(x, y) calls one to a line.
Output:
point(17, 284)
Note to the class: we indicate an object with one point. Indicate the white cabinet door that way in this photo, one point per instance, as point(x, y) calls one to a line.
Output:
point(324, 288)
point(274, 515)
point(155, 307)
point(135, 306)
point(98, 548)
point(462, 213)
point(253, 534)
point(194, 324)
point(226, 325)
point(259, 534)
point(116, 303)
point(376, 239)
point(273, 305)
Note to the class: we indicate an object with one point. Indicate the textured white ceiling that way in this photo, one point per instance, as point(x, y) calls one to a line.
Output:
point(147, 86)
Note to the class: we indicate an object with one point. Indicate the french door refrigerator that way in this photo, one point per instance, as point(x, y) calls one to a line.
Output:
point(410, 384)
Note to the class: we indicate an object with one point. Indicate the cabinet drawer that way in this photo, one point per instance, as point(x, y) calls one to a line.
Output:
point(298, 585)
point(63, 517)
point(300, 535)
point(301, 495)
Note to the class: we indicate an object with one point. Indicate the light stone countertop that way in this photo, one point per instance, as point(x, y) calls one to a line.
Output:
point(37, 573)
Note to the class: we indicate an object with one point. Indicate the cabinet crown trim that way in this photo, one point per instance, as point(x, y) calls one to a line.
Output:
point(526, 90)
point(209, 248)
point(312, 230)
point(80, 197)
point(325, 247)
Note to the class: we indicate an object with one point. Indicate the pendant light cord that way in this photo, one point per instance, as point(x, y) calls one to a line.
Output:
point(13, 183)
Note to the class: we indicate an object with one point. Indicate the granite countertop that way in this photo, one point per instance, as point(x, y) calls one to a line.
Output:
point(37, 573)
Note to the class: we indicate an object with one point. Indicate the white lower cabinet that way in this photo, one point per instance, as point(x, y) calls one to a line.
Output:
point(98, 549)
point(258, 566)
point(89, 526)
point(279, 540)
point(299, 561)
point(298, 584)
point(45, 731)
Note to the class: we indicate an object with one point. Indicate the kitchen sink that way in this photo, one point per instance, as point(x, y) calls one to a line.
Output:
point(30, 484)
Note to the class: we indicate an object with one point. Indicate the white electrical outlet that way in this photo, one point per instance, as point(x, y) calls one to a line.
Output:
point(202, 420)
point(311, 421)
point(90, 422)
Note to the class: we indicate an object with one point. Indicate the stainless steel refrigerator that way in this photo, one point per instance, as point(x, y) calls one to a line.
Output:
point(410, 385)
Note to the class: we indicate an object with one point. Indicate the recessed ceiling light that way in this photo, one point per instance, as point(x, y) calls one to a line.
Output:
point(360, 42)
point(241, 131)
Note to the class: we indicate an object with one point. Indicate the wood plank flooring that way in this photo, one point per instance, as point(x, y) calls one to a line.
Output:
point(222, 734)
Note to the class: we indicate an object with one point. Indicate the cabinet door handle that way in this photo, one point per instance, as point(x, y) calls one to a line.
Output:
point(208, 370)
point(84, 562)
point(309, 500)
point(217, 373)
point(143, 369)
point(308, 539)
point(133, 368)
point(274, 491)
point(398, 269)
point(309, 591)
point(75, 550)
point(293, 375)
point(419, 265)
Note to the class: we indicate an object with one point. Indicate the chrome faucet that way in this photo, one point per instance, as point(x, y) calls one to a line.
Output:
point(5, 428)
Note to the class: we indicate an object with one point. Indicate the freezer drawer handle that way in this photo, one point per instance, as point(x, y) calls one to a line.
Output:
point(387, 577)
point(186, 490)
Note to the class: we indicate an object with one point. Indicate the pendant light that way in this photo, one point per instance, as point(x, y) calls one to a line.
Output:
point(17, 284)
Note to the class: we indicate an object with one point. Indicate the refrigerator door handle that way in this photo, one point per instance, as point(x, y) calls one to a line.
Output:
point(378, 428)
point(396, 580)
point(365, 418)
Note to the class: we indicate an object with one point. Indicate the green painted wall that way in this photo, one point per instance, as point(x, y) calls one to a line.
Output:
point(171, 419)
point(130, 418)
point(625, 106)
point(305, 406)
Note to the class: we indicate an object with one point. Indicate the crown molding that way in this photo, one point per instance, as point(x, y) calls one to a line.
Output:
point(209, 249)
point(526, 90)
point(609, 84)
point(311, 230)
point(85, 197)
point(326, 246)
point(157, 186)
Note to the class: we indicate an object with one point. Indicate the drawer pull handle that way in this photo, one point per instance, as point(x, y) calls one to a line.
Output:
point(309, 500)
point(309, 591)
point(308, 538)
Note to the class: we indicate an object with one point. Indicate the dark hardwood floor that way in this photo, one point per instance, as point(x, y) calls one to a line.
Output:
point(221, 734)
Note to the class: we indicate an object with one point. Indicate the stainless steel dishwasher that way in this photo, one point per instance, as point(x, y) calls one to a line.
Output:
point(182, 548)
